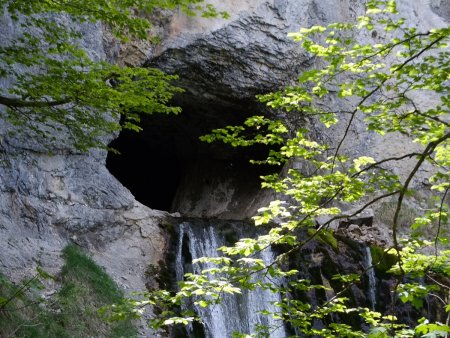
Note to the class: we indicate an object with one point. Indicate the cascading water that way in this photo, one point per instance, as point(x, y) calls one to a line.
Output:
point(236, 313)
point(370, 272)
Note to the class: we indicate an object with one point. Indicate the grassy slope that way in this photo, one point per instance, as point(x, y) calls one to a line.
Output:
point(71, 312)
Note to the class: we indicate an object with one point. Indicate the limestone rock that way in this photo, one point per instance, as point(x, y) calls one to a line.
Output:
point(223, 64)
point(246, 55)
point(364, 218)
point(379, 235)
point(51, 195)
point(48, 200)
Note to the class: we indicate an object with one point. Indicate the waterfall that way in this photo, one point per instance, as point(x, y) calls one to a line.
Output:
point(236, 313)
point(370, 272)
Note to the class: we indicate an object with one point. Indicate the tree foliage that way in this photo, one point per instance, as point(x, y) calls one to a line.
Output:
point(379, 84)
point(56, 85)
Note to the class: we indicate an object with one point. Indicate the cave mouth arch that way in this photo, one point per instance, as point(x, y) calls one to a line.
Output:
point(167, 167)
point(150, 170)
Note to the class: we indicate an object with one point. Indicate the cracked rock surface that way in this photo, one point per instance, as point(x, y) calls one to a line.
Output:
point(48, 200)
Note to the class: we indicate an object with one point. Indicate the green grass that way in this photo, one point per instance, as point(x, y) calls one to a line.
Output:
point(71, 312)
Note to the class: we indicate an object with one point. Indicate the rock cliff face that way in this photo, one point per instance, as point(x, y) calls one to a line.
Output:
point(49, 200)
point(222, 65)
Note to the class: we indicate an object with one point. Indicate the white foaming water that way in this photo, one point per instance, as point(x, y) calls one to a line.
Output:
point(370, 271)
point(236, 313)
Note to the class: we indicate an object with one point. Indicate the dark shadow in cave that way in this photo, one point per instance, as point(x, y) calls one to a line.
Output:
point(167, 153)
point(150, 170)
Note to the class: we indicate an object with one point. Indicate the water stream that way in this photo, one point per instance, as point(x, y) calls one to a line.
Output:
point(236, 313)
point(370, 272)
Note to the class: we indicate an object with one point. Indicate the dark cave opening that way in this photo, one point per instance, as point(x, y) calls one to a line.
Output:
point(167, 162)
point(150, 170)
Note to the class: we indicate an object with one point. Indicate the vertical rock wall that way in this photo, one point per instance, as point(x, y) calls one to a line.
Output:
point(51, 195)
point(48, 200)
point(226, 62)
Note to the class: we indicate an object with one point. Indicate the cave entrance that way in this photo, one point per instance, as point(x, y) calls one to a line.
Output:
point(167, 167)
point(149, 167)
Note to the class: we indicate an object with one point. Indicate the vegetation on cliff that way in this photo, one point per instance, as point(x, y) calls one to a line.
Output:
point(380, 85)
point(69, 311)
point(57, 87)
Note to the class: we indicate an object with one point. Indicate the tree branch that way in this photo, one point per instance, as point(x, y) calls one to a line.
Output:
point(427, 152)
point(18, 103)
